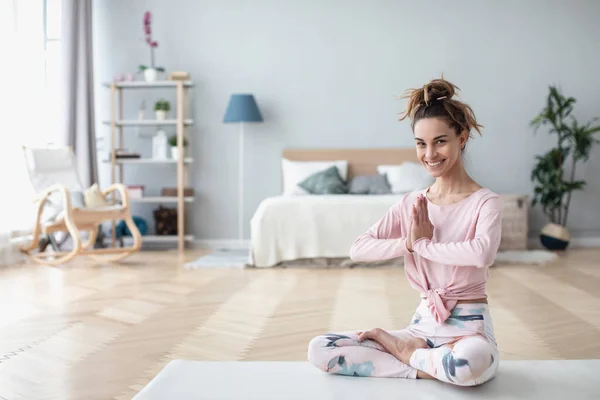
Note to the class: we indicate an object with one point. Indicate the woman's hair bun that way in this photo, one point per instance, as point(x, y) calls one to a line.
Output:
point(436, 100)
point(438, 89)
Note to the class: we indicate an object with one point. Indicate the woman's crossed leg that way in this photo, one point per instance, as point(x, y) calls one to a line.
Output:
point(467, 361)
point(342, 353)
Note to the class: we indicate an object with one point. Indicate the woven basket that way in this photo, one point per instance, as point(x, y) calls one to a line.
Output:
point(515, 223)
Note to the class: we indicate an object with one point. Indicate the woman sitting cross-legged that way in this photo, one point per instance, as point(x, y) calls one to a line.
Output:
point(449, 235)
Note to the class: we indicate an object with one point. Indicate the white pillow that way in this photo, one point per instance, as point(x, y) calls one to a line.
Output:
point(295, 172)
point(406, 177)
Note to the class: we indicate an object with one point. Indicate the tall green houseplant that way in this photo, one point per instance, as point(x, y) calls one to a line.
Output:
point(554, 172)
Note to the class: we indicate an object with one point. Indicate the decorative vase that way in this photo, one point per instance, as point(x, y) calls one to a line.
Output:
point(161, 114)
point(554, 237)
point(160, 142)
point(150, 74)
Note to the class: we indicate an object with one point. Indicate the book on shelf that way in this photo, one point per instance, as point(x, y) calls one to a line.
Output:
point(135, 191)
point(172, 192)
point(126, 154)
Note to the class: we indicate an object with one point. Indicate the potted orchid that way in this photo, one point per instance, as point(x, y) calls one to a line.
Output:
point(150, 72)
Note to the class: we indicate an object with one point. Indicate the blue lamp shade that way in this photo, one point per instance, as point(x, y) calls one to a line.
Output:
point(242, 108)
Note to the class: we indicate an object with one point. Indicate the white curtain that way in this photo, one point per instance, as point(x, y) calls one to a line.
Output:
point(23, 113)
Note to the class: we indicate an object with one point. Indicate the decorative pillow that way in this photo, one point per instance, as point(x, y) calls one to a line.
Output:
point(325, 182)
point(295, 172)
point(406, 177)
point(93, 197)
point(369, 184)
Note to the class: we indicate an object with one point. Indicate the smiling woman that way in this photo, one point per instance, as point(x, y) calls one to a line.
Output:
point(448, 234)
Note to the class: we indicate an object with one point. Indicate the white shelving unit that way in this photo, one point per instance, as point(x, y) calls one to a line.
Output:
point(160, 199)
point(144, 84)
point(148, 122)
point(148, 161)
point(182, 122)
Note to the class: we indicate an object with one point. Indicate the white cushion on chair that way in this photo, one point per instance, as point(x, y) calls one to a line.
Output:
point(59, 218)
point(51, 166)
point(47, 159)
point(107, 208)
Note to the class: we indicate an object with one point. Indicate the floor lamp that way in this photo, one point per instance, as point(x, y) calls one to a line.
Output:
point(242, 108)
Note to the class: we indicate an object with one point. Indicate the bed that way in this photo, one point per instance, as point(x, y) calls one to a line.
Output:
point(288, 229)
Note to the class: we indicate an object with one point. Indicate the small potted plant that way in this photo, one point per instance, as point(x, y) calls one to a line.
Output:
point(150, 72)
point(162, 108)
point(175, 149)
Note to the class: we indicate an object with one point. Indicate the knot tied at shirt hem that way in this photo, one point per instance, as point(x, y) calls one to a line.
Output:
point(439, 308)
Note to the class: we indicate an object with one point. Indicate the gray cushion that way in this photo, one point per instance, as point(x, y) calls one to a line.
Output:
point(369, 184)
point(327, 181)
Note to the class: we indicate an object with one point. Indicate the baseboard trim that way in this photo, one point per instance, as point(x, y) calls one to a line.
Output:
point(532, 242)
point(574, 243)
point(221, 244)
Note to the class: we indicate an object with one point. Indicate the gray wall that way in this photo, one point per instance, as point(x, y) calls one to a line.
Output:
point(327, 73)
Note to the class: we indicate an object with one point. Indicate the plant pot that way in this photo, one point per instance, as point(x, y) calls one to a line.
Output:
point(161, 114)
point(150, 74)
point(175, 153)
point(554, 237)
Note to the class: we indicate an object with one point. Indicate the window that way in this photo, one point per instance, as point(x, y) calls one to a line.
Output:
point(52, 64)
point(30, 38)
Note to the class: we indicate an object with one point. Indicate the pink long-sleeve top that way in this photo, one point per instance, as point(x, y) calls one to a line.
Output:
point(453, 265)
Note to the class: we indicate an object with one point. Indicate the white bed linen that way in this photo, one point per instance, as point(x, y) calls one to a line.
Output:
point(287, 228)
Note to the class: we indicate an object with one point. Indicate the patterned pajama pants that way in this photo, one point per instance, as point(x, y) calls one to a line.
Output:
point(462, 350)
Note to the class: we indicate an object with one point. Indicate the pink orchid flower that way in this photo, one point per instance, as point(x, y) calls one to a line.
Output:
point(148, 33)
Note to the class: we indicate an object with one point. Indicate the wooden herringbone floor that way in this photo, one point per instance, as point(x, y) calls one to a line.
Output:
point(85, 331)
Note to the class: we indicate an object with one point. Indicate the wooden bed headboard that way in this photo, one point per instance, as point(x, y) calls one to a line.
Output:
point(360, 161)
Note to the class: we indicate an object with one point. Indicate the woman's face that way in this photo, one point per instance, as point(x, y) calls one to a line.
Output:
point(438, 145)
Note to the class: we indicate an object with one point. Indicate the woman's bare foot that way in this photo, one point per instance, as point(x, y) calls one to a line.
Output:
point(401, 347)
point(387, 341)
point(406, 346)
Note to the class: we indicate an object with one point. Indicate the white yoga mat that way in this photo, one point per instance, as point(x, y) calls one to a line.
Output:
point(549, 379)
